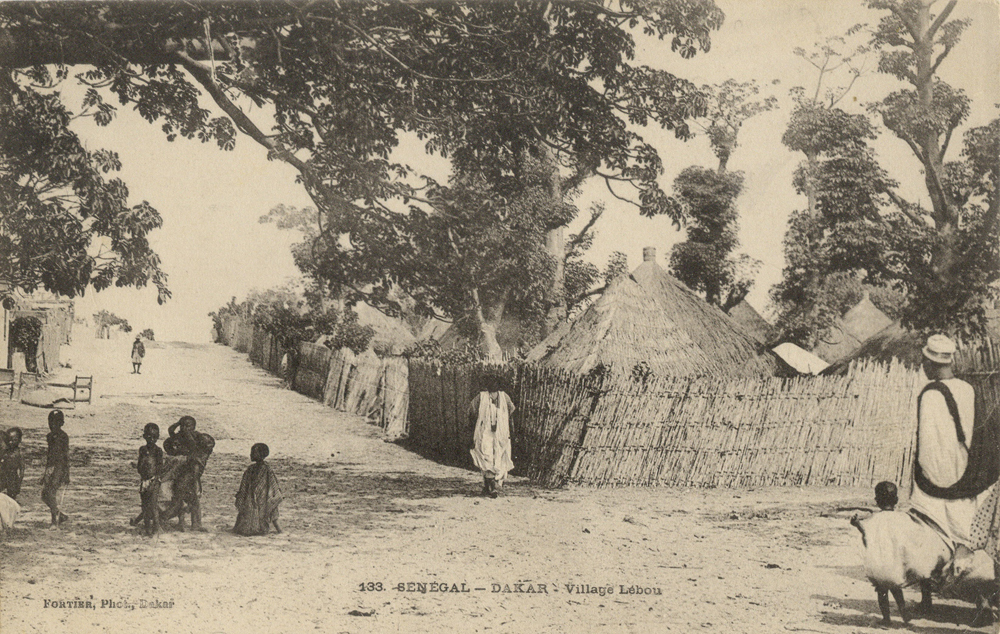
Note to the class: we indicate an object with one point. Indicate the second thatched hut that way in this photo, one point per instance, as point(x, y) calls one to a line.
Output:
point(649, 319)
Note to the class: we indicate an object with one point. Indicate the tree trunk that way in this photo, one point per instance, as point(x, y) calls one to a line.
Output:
point(944, 258)
point(811, 160)
point(555, 246)
point(487, 319)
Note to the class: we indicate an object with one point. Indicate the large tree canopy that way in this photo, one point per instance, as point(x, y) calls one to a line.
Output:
point(705, 260)
point(63, 225)
point(484, 83)
point(948, 292)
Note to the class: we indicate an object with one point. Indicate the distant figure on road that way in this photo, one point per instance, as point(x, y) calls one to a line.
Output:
point(12, 464)
point(56, 475)
point(259, 496)
point(138, 352)
point(490, 410)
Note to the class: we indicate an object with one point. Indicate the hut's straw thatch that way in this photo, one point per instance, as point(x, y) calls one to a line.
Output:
point(895, 343)
point(390, 333)
point(433, 329)
point(513, 336)
point(859, 324)
point(751, 321)
point(653, 319)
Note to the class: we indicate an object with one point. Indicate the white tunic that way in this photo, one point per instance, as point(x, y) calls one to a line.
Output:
point(943, 459)
point(491, 452)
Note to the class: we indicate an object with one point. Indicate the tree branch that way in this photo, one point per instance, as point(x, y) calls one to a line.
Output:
point(580, 237)
point(910, 26)
point(940, 58)
point(607, 183)
point(203, 76)
point(904, 207)
point(940, 19)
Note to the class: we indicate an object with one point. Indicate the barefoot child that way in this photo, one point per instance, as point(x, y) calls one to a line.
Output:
point(12, 464)
point(56, 467)
point(259, 496)
point(150, 465)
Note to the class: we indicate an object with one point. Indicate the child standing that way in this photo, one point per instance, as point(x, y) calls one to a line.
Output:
point(12, 464)
point(150, 465)
point(56, 475)
point(259, 496)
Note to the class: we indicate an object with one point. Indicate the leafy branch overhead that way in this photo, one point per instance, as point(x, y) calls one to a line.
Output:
point(65, 225)
point(479, 82)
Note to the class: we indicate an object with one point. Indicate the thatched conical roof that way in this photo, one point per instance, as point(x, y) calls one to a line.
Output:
point(746, 316)
point(390, 333)
point(891, 343)
point(513, 335)
point(859, 324)
point(653, 318)
point(433, 329)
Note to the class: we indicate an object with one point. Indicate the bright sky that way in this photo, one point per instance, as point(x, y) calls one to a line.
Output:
point(213, 248)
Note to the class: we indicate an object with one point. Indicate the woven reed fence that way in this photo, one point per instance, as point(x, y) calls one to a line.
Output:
point(312, 370)
point(852, 430)
point(615, 431)
point(366, 384)
point(979, 364)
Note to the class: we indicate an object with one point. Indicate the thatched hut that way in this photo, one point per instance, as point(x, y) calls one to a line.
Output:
point(750, 320)
point(857, 326)
point(893, 343)
point(514, 336)
point(650, 318)
point(392, 335)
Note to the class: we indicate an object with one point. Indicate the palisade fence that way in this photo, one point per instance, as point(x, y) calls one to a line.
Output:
point(363, 384)
point(850, 430)
point(613, 430)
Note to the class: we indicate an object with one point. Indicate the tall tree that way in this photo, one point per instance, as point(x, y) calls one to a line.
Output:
point(913, 42)
point(846, 240)
point(704, 261)
point(845, 229)
point(496, 85)
point(943, 260)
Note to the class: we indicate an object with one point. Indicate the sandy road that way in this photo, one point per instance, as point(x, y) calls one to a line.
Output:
point(360, 511)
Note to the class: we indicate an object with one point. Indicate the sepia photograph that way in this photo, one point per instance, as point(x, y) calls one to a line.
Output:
point(499, 316)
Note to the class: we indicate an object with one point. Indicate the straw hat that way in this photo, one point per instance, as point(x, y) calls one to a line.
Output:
point(940, 349)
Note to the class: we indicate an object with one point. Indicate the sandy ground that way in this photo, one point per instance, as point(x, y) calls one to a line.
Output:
point(360, 511)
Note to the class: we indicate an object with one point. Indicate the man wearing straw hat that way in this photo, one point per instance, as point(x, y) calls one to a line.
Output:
point(953, 476)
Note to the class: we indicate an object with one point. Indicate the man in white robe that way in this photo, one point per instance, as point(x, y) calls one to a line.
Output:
point(491, 438)
point(943, 457)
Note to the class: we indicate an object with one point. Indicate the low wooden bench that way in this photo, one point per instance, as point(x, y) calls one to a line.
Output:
point(8, 378)
point(80, 385)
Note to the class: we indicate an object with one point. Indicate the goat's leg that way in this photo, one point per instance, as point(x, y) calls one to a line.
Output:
point(883, 604)
point(926, 602)
point(897, 594)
